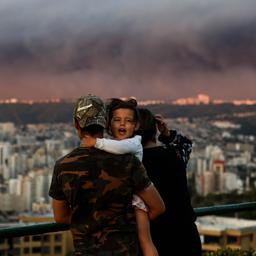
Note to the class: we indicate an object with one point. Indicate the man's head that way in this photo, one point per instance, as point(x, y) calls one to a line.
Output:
point(89, 114)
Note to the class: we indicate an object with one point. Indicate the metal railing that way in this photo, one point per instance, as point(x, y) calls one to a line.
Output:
point(41, 228)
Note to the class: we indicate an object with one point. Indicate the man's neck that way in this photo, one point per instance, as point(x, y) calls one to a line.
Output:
point(89, 140)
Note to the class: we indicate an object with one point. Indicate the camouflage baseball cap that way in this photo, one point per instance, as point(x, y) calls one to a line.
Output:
point(89, 110)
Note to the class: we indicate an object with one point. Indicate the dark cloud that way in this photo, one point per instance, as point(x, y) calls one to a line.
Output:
point(148, 49)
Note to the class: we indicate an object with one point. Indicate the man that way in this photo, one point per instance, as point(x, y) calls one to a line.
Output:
point(92, 190)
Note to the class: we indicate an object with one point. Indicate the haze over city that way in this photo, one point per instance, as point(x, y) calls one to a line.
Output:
point(147, 49)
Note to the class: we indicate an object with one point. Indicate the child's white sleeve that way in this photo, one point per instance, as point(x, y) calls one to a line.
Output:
point(131, 145)
point(137, 202)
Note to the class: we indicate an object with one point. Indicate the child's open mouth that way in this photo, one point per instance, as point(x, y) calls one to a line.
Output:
point(122, 131)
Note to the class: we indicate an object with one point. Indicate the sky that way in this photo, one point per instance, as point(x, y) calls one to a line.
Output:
point(164, 49)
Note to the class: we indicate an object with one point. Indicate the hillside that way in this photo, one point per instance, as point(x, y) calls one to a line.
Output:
point(62, 113)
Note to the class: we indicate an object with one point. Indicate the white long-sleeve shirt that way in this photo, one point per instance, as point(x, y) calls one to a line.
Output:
point(130, 145)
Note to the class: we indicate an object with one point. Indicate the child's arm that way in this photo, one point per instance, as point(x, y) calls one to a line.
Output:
point(131, 145)
point(139, 203)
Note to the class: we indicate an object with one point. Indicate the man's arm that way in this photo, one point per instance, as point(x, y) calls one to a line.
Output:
point(153, 201)
point(61, 211)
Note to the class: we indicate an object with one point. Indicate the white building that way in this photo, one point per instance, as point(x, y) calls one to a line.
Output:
point(7, 128)
point(232, 182)
point(5, 151)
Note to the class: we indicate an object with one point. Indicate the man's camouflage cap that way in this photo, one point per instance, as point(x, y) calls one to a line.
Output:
point(89, 110)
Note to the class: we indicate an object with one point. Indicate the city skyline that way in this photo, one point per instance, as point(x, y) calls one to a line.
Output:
point(162, 50)
point(192, 100)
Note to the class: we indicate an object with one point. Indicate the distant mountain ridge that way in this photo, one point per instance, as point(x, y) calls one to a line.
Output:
point(62, 113)
point(36, 113)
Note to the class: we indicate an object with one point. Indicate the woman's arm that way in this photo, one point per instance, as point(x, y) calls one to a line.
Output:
point(172, 138)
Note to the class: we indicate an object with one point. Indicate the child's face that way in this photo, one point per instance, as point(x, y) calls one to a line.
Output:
point(122, 123)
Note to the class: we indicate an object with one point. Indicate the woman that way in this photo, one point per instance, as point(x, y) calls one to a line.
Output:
point(175, 230)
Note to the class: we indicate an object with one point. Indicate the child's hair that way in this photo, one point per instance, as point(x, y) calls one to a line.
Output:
point(115, 103)
point(147, 128)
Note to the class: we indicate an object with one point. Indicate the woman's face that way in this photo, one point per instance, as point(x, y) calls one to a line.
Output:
point(122, 123)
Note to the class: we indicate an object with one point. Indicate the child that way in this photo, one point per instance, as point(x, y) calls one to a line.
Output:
point(123, 122)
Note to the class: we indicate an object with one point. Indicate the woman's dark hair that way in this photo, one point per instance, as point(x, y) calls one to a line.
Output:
point(147, 128)
point(115, 103)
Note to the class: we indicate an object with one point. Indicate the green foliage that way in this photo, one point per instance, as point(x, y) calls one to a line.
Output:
point(231, 252)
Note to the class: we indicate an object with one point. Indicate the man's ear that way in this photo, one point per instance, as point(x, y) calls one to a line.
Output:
point(77, 127)
point(75, 124)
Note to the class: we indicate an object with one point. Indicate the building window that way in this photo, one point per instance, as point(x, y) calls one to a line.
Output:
point(46, 238)
point(57, 249)
point(57, 237)
point(26, 238)
point(36, 250)
point(26, 250)
point(212, 240)
point(36, 238)
point(45, 249)
point(232, 240)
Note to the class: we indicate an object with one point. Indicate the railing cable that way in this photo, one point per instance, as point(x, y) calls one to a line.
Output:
point(41, 228)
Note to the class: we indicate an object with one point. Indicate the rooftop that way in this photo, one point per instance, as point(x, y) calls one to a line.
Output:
point(222, 223)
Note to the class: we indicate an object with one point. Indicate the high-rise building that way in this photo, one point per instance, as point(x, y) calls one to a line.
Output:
point(5, 151)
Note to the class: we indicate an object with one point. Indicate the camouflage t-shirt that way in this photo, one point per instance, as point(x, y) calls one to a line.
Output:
point(99, 187)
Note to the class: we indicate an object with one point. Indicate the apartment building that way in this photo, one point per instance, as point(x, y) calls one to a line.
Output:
point(48, 244)
point(225, 232)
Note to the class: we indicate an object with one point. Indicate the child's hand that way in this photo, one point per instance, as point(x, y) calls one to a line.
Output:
point(161, 125)
point(88, 141)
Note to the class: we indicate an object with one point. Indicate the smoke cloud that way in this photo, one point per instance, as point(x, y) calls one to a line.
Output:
point(148, 49)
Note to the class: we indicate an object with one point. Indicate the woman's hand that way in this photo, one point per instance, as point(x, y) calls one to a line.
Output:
point(161, 125)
